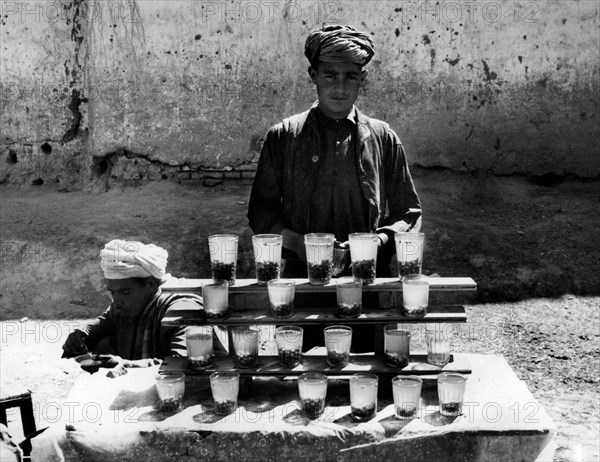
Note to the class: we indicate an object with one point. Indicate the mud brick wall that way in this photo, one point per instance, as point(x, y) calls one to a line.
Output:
point(96, 92)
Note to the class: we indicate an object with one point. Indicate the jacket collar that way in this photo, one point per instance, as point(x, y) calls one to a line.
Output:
point(360, 119)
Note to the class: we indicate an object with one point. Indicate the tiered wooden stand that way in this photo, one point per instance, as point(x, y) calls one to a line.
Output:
point(316, 305)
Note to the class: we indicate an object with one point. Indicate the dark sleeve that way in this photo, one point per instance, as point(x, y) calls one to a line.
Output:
point(174, 336)
point(102, 326)
point(402, 200)
point(264, 208)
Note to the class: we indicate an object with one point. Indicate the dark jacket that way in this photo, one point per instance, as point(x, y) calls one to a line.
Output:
point(288, 168)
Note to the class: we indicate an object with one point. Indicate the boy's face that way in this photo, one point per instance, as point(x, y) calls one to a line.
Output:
point(338, 85)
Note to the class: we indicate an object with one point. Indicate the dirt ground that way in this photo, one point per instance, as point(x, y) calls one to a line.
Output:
point(531, 245)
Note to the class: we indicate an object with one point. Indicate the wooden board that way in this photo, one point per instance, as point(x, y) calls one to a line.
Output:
point(466, 284)
point(312, 316)
point(269, 366)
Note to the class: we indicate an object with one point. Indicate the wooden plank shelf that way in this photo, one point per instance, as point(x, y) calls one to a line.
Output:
point(269, 366)
point(384, 293)
point(249, 286)
point(318, 316)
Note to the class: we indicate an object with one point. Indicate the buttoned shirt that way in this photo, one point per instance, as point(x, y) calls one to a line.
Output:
point(287, 179)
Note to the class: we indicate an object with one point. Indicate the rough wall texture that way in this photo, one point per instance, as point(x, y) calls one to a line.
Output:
point(135, 90)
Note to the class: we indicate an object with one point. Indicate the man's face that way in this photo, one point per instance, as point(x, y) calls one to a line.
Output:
point(130, 296)
point(338, 85)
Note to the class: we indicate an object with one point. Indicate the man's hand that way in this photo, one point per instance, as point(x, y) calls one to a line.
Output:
point(383, 240)
point(75, 344)
point(111, 361)
point(118, 366)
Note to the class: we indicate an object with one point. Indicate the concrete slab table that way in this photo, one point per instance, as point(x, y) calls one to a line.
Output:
point(106, 419)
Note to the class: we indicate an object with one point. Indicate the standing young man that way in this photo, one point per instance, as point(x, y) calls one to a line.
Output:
point(332, 169)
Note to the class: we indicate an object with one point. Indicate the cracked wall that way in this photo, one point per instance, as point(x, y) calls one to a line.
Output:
point(95, 92)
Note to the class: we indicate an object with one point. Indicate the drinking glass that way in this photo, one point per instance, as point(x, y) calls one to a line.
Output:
point(363, 396)
point(349, 297)
point(216, 300)
point(338, 340)
point(319, 257)
point(407, 394)
point(312, 388)
point(451, 393)
point(281, 297)
point(409, 253)
point(267, 257)
point(245, 346)
point(415, 294)
point(363, 254)
point(170, 388)
point(223, 250)
point(396, 346)
point(225, 386)
point(199, 344)
point(437, 337)
point(289, 345)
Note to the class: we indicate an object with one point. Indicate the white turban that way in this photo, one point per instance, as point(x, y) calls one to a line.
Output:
point(129, 259)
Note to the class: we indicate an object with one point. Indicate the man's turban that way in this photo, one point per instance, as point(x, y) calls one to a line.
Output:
point(339, 44)
point(129, 259)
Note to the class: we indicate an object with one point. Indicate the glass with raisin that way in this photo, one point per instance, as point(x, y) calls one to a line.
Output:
point(281, 297)
point(349, 297)
point(312, 388)
point(225, 386)
point(407, 395)
point(289, 345)
point(451, 393)
point(396, 345)
point(199, 345)
point(363, 254)
point(409, 253)
point(223, 250)
point(363, 396)
point(319, 257)
point(245, 346)
point(338, 340)
point(216, 300)
point(267, 257)
point(170, 388)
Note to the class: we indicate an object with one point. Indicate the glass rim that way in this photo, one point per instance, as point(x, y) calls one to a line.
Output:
point(412, 380)
point(312, 377)
point(446, 375)
point(252, 329)
point(225, 375)
point(415, 277)
point(363, 236)
point(224, 236)
point(281, 282)
point(400, 234)
point(216, 284)
point(194, 329)
point(363, 375)
point(394, 326)
point(267, 236)
point(292, 328)
point(347, 280)
point(337, 327)
point(328, 236)
point(170, 376)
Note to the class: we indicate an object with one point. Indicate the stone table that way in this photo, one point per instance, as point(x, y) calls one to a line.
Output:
point(106, 419)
